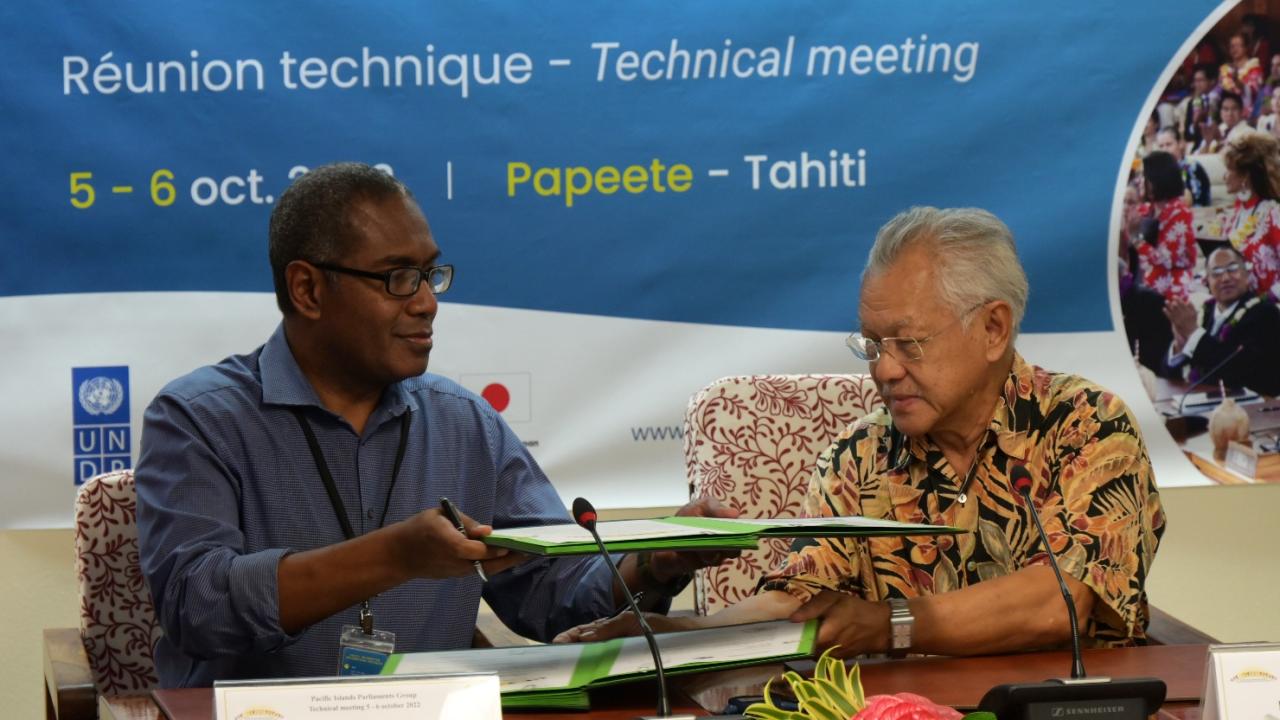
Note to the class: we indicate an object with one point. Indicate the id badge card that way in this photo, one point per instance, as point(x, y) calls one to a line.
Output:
point(364, 654)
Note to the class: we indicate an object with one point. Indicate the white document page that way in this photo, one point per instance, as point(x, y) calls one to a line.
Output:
point(850, 522)
point(611, 531)
point(531, 667)
point(721, 644)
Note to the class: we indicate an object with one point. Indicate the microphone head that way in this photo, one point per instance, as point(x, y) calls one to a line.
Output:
point(1021, 478)
point(584, 513)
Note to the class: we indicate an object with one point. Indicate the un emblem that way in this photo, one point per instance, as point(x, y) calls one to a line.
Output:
point(101, 395)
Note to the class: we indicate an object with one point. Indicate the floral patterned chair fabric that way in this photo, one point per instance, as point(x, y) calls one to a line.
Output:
point(117, 620)
point(751, 441)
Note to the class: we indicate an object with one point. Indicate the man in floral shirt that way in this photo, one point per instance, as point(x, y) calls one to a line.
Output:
point(941, 301)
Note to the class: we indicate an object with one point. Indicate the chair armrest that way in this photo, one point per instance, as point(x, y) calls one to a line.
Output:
point(1165, 629)
point(69, 690)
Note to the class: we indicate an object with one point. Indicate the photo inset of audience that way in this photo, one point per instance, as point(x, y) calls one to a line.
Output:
point(1200, 236)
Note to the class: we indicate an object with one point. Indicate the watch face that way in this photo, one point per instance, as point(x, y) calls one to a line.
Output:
point(901, 637)
point(901, 623)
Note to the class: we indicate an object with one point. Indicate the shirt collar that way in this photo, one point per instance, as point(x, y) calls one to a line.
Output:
point(283, 382)
point(1220, 313)
point(1020, 385)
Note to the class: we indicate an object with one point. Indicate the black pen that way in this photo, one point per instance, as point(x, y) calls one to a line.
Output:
point(638, 595)
point(452, 513)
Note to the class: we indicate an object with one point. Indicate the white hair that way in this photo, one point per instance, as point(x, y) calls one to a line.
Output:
point(973, 251)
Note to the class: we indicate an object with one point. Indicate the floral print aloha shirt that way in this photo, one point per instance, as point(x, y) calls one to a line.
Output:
point(1091, 479)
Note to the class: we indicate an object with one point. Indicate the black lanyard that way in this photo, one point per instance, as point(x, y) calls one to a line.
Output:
point(340, 508)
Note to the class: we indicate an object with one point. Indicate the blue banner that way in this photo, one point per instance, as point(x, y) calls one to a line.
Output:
point(706, 162)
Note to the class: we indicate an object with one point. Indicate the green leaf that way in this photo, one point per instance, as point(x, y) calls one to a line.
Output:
point(765, 712)
point(806, 692)
point(828, 667)
point(836, 696)
point(768, 710)
point(818, 710)
point(984, 715)
point(798, 684)
point(834, 693)
point(855, 679)
point(840, 678)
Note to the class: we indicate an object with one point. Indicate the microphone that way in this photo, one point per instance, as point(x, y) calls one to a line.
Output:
point(1097, 697)
point(585, 515)
point(1022, 483)
point(1182, 426)
point(1209, 376)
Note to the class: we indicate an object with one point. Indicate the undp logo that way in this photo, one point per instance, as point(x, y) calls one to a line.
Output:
point(101, 395)
point(102, 439)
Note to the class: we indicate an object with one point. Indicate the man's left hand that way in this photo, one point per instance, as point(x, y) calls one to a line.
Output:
point(667, 565)
point(856, 625)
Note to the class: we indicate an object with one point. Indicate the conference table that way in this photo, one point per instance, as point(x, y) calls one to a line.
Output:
point(1264, 416)
point(959, 682)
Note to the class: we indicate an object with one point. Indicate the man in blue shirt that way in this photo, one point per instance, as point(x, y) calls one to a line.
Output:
point(286, 493)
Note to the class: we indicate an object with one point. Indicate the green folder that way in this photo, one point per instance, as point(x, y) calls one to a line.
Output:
point(696, 533)
point(561, 676)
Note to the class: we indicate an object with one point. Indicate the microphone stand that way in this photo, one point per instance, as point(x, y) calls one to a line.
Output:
point(1183, 426)
point(1207, 377)
point(1097, 698)
point(1022, 481)
point(585, 515)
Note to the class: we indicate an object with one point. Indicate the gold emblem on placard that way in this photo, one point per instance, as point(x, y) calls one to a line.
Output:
point(1253, 675)
point(260, 713)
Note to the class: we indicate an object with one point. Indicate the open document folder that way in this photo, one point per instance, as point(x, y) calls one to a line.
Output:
point(696, 533)
point(559, 676)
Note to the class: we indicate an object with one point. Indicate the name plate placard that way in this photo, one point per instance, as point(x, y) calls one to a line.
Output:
point(401, 697)
point(1242, 681)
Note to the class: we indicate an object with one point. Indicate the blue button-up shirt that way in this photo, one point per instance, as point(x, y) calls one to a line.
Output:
point(227, 486)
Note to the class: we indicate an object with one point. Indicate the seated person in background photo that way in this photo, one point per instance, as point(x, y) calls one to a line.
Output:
point(1232, 121)
point(942, 297)
point(1164, 238)
point(1145, 324)
point(1210, 138)
point(1200, 106)
point(1241, 75)
point(1253, 177)
point(1233, 321)
point(1267, 120)
point(1253, 28)
point(1194, 177)
point(1147, 142)
point(291, 491)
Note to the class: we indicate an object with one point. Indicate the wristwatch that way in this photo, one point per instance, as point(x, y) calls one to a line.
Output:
point(901, 625)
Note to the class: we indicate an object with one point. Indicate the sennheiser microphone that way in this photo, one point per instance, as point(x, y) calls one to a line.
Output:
point(1098, 698)
point(585, 515)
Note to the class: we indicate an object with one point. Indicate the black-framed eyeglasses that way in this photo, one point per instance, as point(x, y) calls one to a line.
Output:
point(904, 349)
point(402, 281)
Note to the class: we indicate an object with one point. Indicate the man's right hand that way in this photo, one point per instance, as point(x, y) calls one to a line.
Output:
point(1183, 321)
point(623, 625)
point(429, 546)
point(315, 584)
